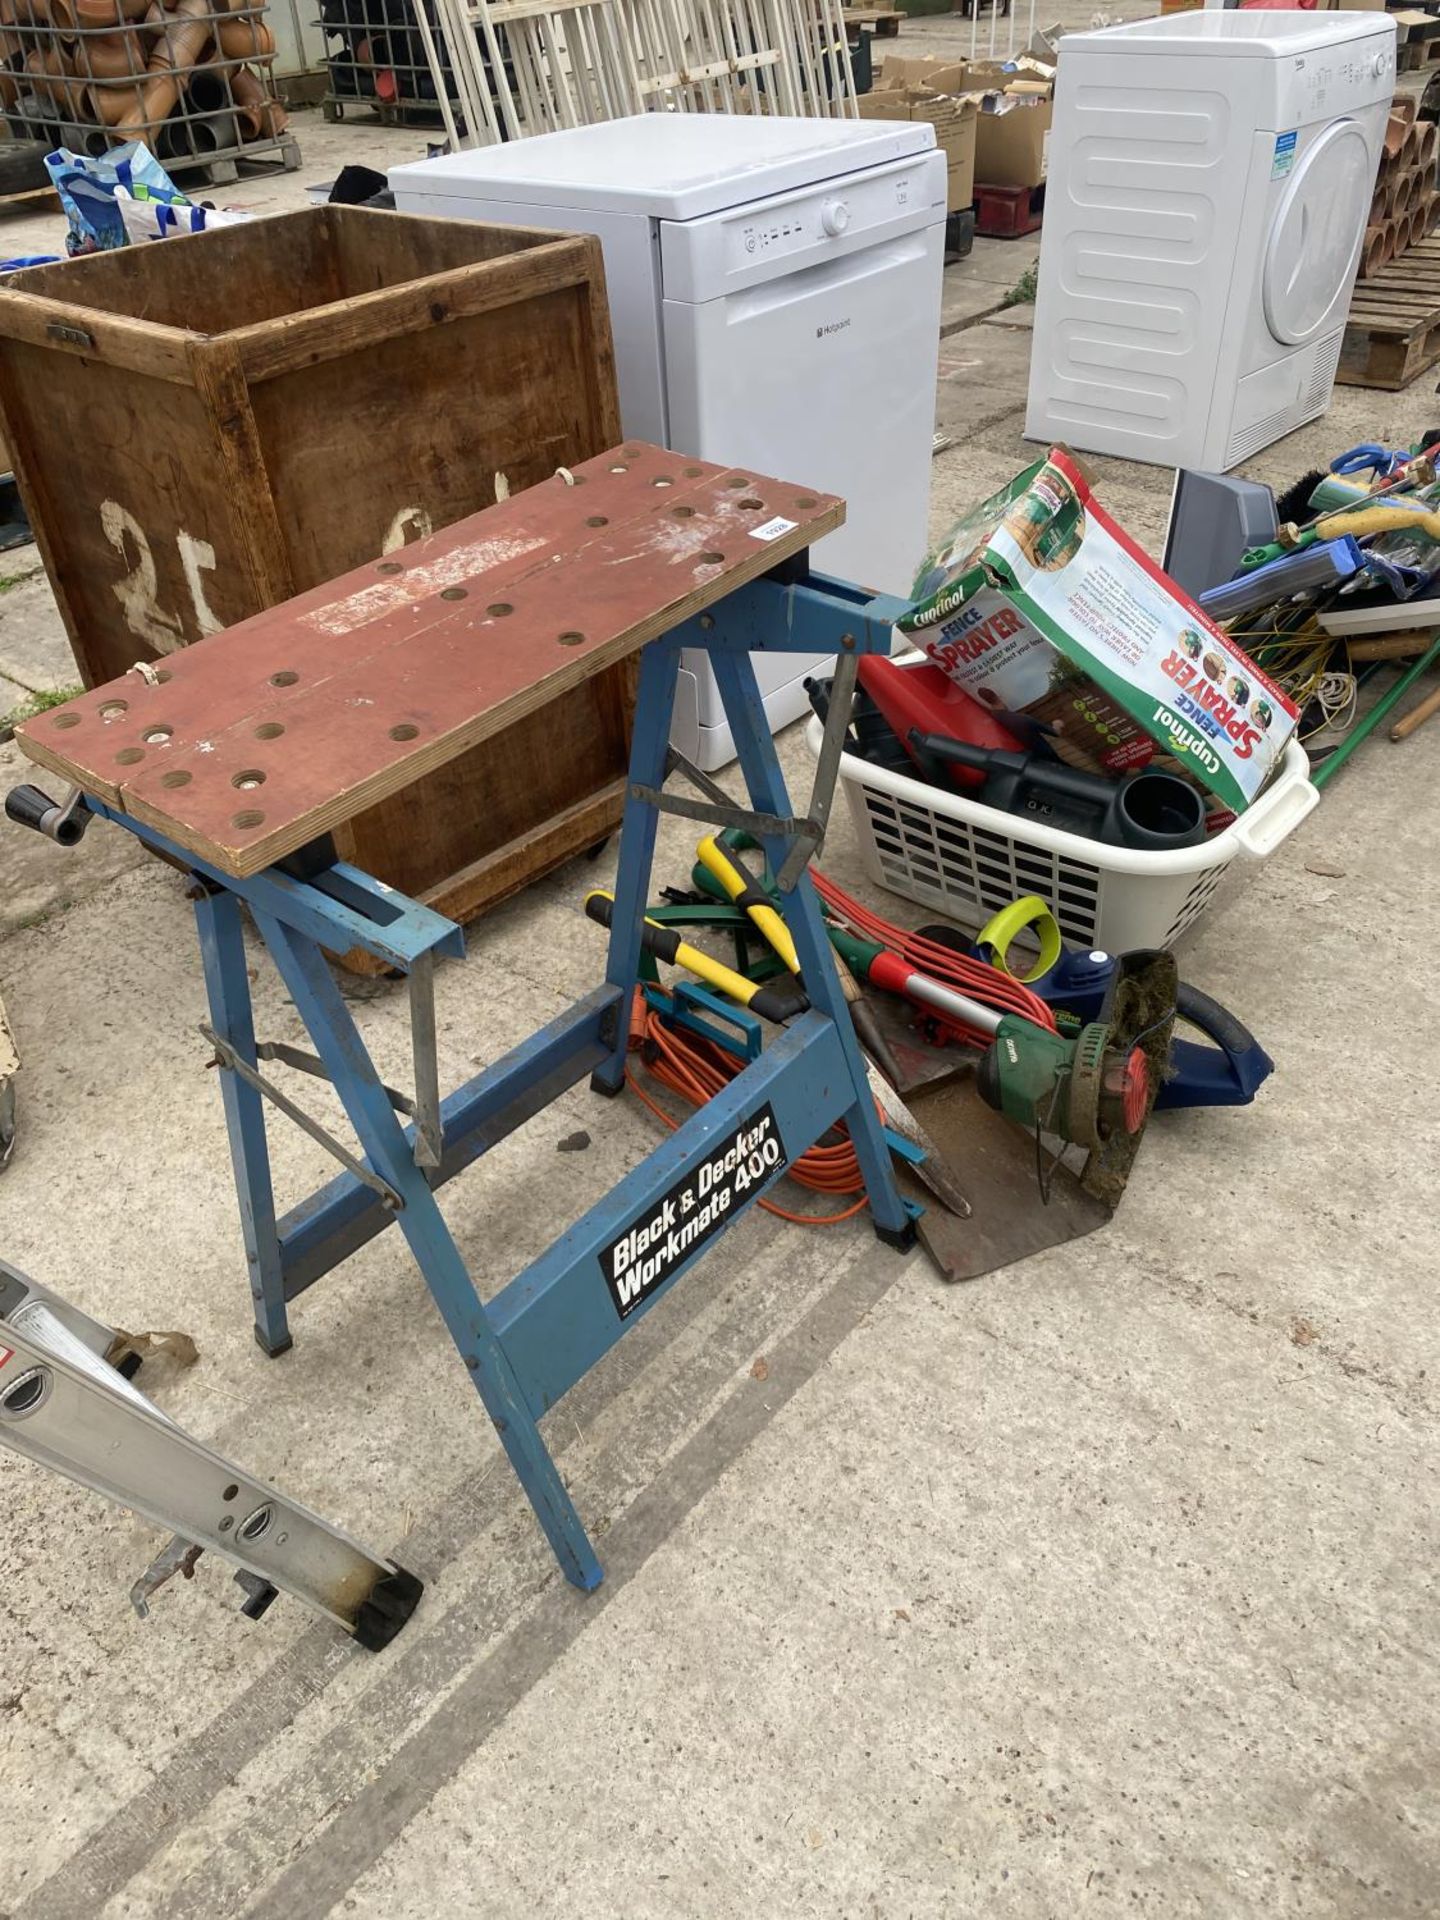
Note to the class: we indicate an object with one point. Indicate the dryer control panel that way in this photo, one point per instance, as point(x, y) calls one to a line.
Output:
point(1322, 83)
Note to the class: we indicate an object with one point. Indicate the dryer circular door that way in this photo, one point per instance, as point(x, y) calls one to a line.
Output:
point(1317, 232)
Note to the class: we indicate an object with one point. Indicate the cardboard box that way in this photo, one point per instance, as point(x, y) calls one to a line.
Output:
point(1012, 145)
point(1012, 136)
point(1412, 24)
point(921, 70)
point(1012, 142)
point(1045, 610)
point(1024, 74)
point(954, 122)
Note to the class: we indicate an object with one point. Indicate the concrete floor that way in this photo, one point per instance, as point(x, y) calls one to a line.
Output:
point(1105, 1584)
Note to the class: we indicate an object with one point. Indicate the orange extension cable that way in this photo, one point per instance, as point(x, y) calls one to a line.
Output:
point(952, 969)
point(696, 1070)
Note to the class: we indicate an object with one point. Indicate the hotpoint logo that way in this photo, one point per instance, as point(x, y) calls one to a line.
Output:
point(831, 326)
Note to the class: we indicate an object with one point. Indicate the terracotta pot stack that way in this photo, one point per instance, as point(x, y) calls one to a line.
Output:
point(188, 77)
point(1406, 202)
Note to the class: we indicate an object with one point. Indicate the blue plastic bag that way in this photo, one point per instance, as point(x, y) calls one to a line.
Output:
point(87, 191)
point(150, 213)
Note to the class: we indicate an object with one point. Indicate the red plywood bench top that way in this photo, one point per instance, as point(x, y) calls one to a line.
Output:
point(260, 739)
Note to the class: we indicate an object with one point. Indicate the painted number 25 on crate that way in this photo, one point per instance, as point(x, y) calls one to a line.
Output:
point(138, 588)
point(663, 1238)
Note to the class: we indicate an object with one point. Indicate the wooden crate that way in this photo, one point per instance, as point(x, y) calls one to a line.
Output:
point(1393, 333)
point(206, 427)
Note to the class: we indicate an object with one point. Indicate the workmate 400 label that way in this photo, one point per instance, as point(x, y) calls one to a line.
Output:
point(697, 1206)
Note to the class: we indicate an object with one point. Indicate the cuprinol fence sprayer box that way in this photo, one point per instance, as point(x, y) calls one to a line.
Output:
point(1043, 608)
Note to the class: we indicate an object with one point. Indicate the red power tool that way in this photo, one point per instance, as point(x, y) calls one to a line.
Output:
point(924, 699)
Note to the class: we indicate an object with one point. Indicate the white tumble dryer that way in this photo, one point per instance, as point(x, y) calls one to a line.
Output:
point(774, 288)
point(1210, 175)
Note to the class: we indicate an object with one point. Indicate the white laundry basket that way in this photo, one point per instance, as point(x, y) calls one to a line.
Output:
point(946, 850)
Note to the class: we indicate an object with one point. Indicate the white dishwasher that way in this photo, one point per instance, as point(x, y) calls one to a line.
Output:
point(774, 289)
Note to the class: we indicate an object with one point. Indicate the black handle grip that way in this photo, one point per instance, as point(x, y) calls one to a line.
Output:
point(1212, 1019)
point(32, 807)
point(64, 824)
point(942, 747)
point(27, 807)
point(1094, 787)
point(663, 942)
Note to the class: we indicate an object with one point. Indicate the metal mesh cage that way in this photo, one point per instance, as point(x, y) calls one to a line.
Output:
point(377, 58)
point(192, 79)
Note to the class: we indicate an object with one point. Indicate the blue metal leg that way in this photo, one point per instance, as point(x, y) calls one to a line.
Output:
point(554, 1321)
point(569, 1307)
point(320, 1005)
point(735, 677)
point(649, 746)
point(227, 983)
point(328, 1226)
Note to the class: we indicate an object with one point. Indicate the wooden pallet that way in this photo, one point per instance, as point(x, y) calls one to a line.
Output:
point(212, 170)
point(32, 200)
point(1393, 332)
point(883, 22)
point(23, 179)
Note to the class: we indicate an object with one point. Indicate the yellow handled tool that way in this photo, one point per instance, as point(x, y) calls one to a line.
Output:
point(780, 1000)
point(772, 1000)
point(746, 892)
point(1378, 517)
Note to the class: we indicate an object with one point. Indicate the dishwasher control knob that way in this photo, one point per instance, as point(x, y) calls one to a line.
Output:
point(834, 217)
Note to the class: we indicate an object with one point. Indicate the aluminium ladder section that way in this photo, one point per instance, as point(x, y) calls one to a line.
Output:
point(63, 1406)
point(554, 1321)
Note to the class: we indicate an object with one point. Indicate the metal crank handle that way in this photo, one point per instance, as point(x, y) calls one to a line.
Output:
point(63, 821)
